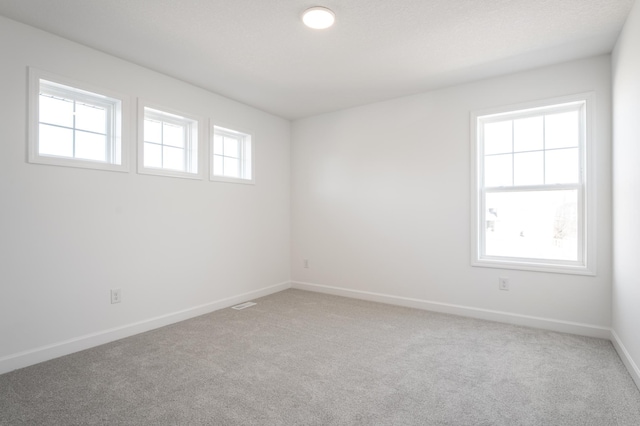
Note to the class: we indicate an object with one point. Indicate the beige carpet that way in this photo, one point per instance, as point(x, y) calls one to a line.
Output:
point(305, 358)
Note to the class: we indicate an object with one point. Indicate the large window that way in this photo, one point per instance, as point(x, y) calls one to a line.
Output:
point(231, 156)
point(73, 126)
point(531, 187)
point(168, 143)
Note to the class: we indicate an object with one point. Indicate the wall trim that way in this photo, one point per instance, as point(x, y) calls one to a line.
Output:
point(55, 350)
point(632, 367)
point(465, 311)
point(48, 352)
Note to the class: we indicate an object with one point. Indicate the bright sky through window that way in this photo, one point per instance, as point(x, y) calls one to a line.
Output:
point(531, 187)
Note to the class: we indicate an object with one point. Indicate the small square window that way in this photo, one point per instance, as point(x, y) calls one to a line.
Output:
point(168, 143)
point(232, 154)
point(73, 126)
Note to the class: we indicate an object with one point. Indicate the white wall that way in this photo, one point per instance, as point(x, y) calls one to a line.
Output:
point(626, 193)
point(69, 235)
point(381, 204)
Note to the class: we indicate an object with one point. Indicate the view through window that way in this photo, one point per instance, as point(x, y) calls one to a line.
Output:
point(531, 185)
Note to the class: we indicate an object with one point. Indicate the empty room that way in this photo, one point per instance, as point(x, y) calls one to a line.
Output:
point(290, 212)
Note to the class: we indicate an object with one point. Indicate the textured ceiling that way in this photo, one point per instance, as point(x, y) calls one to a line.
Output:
point(258, 51)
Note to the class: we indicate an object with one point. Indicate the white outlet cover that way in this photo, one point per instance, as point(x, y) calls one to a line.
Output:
point(503, 283)
point(116, 295)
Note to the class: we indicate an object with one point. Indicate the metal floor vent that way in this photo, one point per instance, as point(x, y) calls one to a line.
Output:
point(243, 305)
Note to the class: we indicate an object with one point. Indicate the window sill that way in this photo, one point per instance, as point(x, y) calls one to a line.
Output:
point(73, 162)
point(533, 266)
point(169, 173)
point(232, 180)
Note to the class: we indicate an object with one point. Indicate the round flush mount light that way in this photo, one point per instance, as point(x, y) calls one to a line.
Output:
point(318, 18)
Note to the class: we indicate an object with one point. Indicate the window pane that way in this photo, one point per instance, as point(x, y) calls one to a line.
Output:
point(173, 158)
point(56, 141)
point(528, 168)
point(231, 154)
point(527, 134)
point(75, 124)
point(91, 118)
point(217, 165)
point(218, 142)
point(173, 135)
point(247, 159)
point(246, 171)
point(55, 111)
point(562, 166)
point(534, 225)
point(193, 158)
point(91, 146)
point(152, 131)
point(231, 167)
point(152, 155)
point(231, 147)
point(497, 170)
point(561, 130)
point(497, 138)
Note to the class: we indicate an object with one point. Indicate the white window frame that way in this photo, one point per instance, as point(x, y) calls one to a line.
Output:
point(195, 133)
point(117, 129)
point(247, 146)
point(586, 264)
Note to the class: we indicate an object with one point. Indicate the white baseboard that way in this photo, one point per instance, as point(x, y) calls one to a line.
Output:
point(466, 311)
point(632, 367)
point(45, 353)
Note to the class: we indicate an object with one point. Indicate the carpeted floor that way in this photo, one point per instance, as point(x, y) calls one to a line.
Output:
point(301, 358)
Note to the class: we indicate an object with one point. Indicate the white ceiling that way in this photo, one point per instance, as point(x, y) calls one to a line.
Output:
point(258, 51)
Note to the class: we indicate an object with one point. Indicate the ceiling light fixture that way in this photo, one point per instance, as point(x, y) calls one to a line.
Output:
point(318, 18)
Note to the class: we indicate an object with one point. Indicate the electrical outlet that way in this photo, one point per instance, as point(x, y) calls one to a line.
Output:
point(503, 283)
point(305, 263)
point(116, 295)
